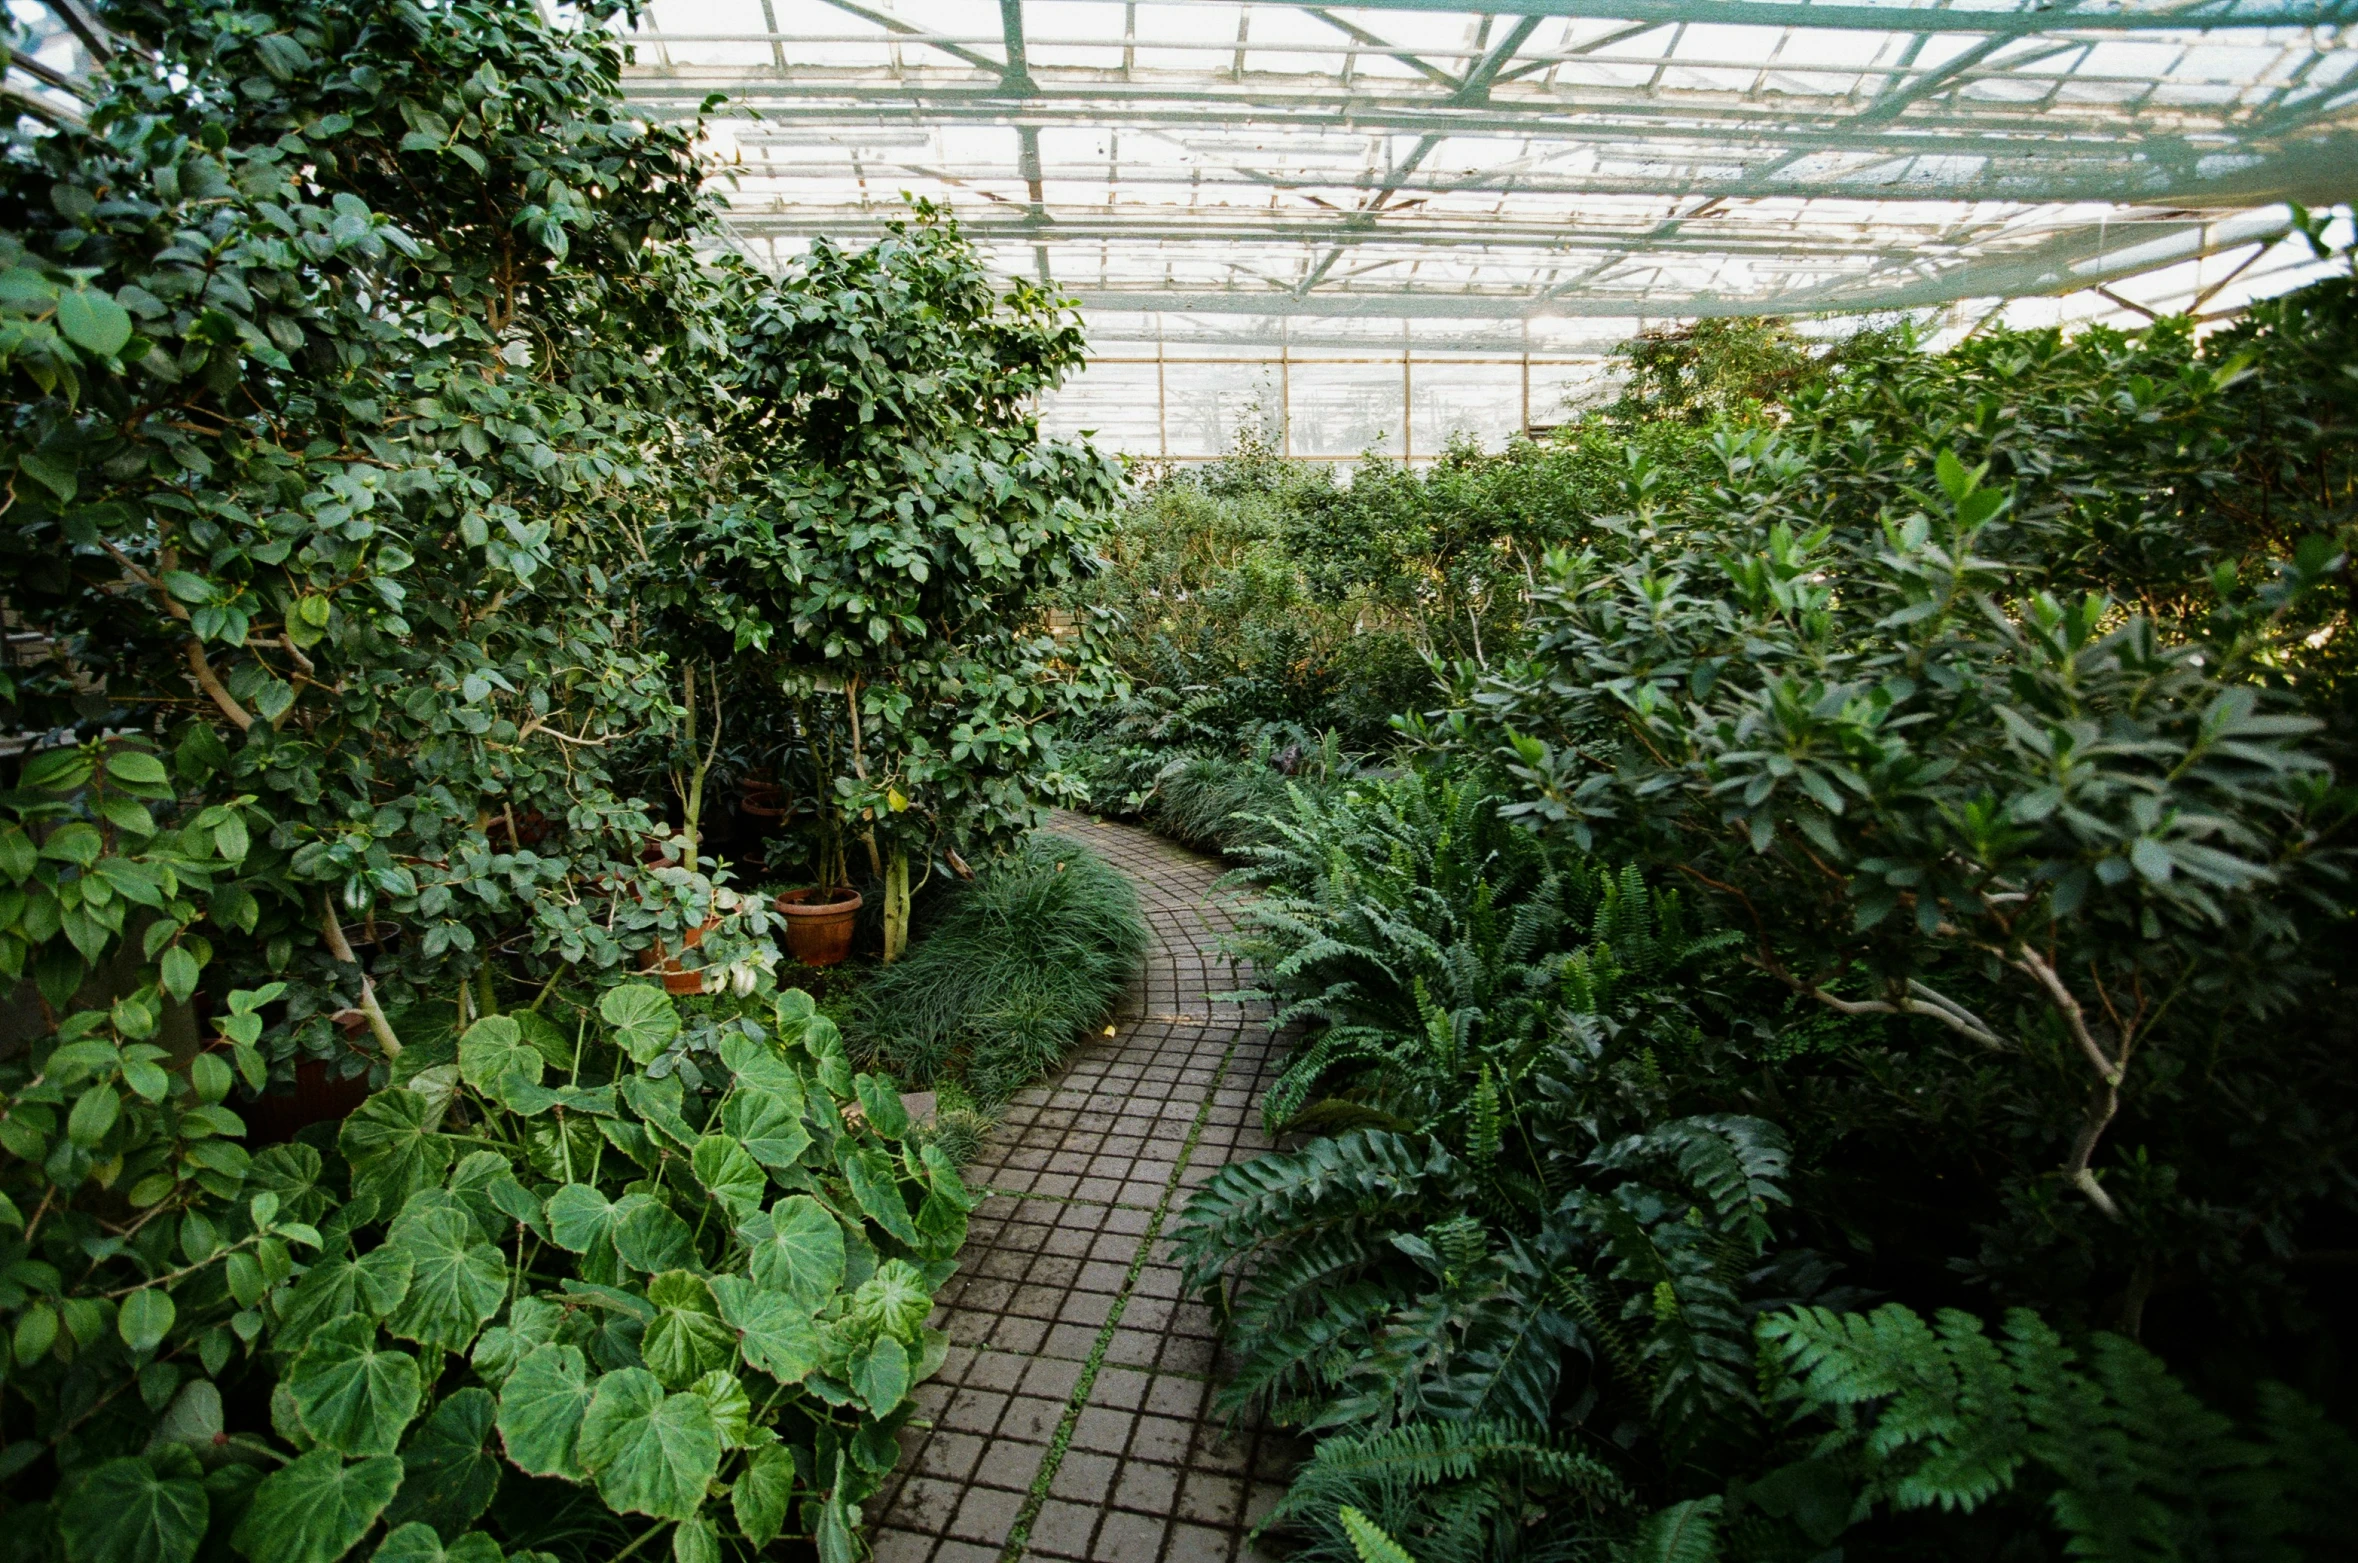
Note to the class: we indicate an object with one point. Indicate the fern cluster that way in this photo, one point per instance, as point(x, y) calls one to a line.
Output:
point(2127, 1464)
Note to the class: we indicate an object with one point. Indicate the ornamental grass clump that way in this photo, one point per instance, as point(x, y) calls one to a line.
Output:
point(1015, 967)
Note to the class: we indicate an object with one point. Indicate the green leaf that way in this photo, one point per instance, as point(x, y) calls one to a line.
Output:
point(1369, 1540)
point(124, 1511)
point(687, 1338)
point(695, 1542)
point(146, 1318)
point(776, 1333)
point(352, 1395)
point(649, 1237)
point(769, 1126)
point(797, 1248)
point(494, 1050)
point(449, 1475)
point(1685, 1532)
point(316, 1508)
point(658, 1102)
point(894, 1300)
point(532, 1323)
point(651, 1453)
point(540, 1412)
point(581, 1221)
point(883, 1106)
point(392, 1151)
point(731, 1407)
point(733, 1177)
point(643, 1019)
point(457, 1281)
point(762, 1494)
point(880, 1374)
point(877, 1188)
point(416, 1542)
point(373, 1284)
point(137, 768)
point(759, 1067)
point(92, 320)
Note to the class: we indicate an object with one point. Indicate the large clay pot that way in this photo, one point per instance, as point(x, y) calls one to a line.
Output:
point(678, 979)
point(819, 923)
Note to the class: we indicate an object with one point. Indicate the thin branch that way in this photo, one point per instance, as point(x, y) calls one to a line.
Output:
point(333, 931)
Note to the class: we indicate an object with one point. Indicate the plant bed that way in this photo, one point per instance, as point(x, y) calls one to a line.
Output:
point(1012, 969)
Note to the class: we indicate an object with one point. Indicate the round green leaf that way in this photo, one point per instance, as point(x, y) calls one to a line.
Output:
point(651, 1453)
point(416, 1542)
point(880, 1374)
point(733, 1177)
point(449, 1476)
point(373, 1284)
point(776, 1333)
point(146, 1318)
point(316, 1508)
point(493, 1050)
point(687, 1338)
point(649, 1237)
point(769, 1126)
point(643, 1019)
point(540, 1411)
point(893, 1301)
point(797, 1248)
point(457, 1280)
point(94, 321)
point(351, 1395)
point(125, 1512)
point(392, 1151)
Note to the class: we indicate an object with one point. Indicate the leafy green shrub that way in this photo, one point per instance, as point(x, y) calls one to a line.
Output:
point(637, 1265)
point(1011, 970)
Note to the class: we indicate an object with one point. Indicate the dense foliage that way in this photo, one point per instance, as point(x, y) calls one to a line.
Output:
point(406, 528)
point(1892, 845)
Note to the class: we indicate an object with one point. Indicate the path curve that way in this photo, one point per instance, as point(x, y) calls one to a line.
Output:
point(1072, 1418)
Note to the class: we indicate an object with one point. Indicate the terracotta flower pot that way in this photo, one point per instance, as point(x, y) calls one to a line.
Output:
point(819, 923)
point(677, 978)
point(763, 802)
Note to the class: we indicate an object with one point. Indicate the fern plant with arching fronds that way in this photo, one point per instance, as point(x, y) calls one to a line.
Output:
point(2127, 1464)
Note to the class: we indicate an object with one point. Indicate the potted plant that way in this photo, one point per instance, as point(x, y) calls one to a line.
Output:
point(819, 921)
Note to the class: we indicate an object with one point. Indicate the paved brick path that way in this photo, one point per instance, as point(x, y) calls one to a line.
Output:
point(1066, 1325)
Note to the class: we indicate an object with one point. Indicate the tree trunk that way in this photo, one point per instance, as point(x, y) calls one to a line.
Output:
point(896, 904)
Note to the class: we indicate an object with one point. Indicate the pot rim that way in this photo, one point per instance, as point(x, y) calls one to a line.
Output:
point(844, 899)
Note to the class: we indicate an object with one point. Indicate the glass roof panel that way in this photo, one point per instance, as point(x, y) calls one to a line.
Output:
point(1608, 158)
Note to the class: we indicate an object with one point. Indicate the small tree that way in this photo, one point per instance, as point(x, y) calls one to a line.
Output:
point(893, 550)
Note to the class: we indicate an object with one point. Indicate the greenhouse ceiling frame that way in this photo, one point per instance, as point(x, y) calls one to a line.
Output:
point(1547, 158)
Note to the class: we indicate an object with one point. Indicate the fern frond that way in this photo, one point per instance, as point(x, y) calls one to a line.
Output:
point(1683, 1533)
